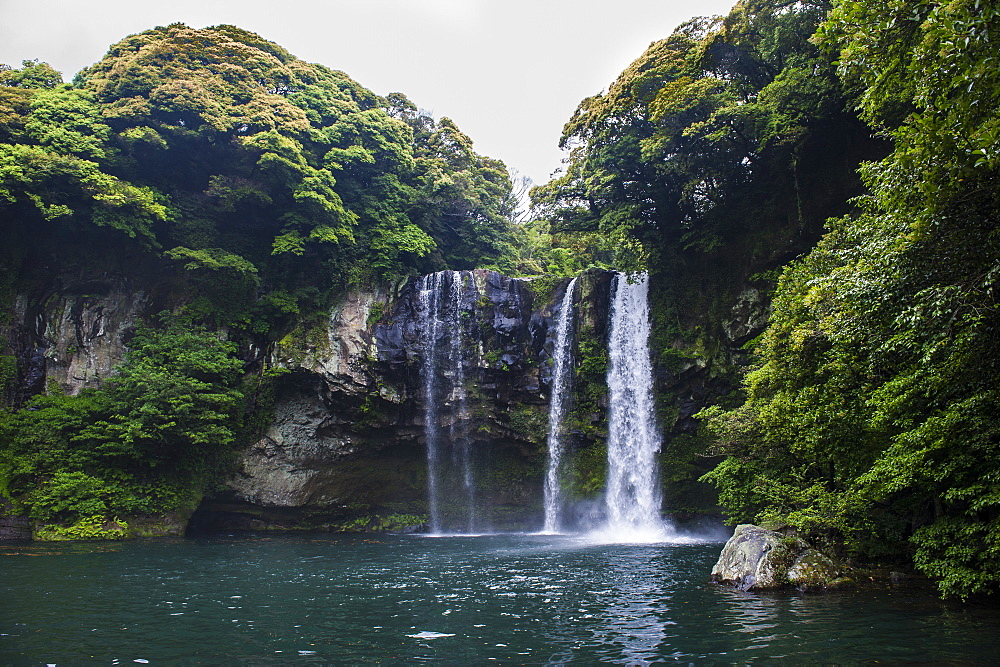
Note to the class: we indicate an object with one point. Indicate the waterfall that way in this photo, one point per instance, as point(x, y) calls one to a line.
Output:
point(442, 297)
point(460, 444)
point(633, 496)
point(429, 290)
point(562, 357)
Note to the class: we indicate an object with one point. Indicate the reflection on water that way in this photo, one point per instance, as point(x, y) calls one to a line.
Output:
point(635, 606)
point(403, 599)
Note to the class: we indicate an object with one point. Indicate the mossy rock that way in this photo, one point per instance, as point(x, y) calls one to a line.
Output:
point(815, 571)
point(754, 558)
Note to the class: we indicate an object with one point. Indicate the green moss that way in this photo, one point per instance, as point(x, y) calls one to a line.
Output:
point(590, 388)
point(375, 313)
point(306, 337)
point(512, 477)
point(96, 527)
point(543, 288)
point(369, 523)
point(368, 415)
point(586, 471)
point(260, 391)
point(530, 423)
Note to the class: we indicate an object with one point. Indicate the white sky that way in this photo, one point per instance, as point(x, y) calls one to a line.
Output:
point(509, 72)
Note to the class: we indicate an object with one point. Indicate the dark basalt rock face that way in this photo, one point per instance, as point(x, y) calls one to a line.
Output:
point(346, 448)
point(13, 527)
point(74, 332)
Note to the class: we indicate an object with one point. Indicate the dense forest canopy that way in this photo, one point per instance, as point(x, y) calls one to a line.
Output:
point(841, 156)
point(713, 130)
point(248, 166)
point(871, 417)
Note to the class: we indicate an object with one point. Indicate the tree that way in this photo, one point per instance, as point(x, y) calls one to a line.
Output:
point(879, 363)
point(32, 75)
point(713, 134)
point(53, 161)
point(146, 442)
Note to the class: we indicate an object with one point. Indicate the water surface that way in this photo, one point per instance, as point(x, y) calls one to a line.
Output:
point(514, 599)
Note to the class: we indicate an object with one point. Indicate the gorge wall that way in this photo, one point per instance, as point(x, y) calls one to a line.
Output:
point(344, 445)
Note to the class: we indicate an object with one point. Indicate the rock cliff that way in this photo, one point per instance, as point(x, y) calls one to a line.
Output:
point(346, 448)
point(344, 444)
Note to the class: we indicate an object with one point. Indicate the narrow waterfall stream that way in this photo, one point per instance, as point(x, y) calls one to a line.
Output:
point(442, 299)
point(633, 494)
point(562, 356)
point(429, 290)
point(461, 447)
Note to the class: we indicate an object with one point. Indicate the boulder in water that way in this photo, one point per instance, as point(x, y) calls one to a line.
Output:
point(755, 558)
point(758, 559)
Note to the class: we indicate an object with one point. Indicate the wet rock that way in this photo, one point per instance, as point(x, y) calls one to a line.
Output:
point(77, 335)
point(758, 559)
point(754, 559)
point(338, 353)
point(13, 526)
point(898, 578)
point(346, 440)
point(346, 437)
point(301, 442)
point(813, 571)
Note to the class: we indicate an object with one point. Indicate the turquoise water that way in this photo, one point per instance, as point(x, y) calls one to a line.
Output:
point(458, 600)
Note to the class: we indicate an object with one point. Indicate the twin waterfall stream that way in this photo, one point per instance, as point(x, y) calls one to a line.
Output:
point(562, 356)
point(448, 451)
point(633, 493)
point(631, 510)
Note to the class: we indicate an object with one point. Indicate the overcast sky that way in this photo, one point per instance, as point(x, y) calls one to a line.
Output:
point(509, 72)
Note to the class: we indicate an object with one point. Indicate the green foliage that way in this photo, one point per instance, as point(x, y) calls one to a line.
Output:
point(543, 288)
point(51, 182)
point(871, 417)
point(530, 423)
point(33, 75)
point(8, 372)
point(586, 471)
point(95, 527)
point(376, 312)
point(590, 389)
point(537, 251)
point(710, 132)
point(266, 178)
point(164, 423)
point(179, 400)
point(55, 153)
point(463, 201)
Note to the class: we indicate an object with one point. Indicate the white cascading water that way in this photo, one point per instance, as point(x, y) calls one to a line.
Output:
point(562, 356)
point(632, 500)
point(461, 453)
point(429, 296)
point(440, 298)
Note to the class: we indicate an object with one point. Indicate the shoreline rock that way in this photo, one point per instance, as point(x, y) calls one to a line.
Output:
point(757, 559)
